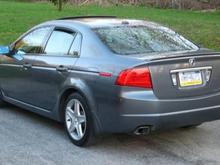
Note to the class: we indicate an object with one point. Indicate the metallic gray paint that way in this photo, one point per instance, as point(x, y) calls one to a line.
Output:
point(40, 86)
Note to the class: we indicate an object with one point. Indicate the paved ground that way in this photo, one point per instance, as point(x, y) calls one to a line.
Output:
point(26, 138)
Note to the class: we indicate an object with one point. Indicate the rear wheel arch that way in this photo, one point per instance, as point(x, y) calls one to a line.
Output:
point(65, 94)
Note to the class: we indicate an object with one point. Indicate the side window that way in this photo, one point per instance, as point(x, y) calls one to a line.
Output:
point(60, 42)
point(76, 46)
point(34, 41)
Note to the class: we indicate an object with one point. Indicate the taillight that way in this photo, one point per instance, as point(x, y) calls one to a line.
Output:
point(135, 77)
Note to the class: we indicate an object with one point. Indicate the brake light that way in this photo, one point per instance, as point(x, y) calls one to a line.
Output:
point(135, 77)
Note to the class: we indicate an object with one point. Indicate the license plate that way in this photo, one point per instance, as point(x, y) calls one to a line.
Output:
point(190, 78)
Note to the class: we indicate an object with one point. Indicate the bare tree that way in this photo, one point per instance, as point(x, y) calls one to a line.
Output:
point(157, 2)
point(60, 5)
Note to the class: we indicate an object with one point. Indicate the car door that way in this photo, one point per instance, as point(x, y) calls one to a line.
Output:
point(16, 76)
point(53, 66)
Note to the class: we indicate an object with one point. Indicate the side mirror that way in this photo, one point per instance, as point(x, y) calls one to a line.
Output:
point(16, 54)
point(4, 50)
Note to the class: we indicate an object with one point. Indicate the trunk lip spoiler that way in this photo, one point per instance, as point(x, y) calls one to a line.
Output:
point(186, 56)
point(152, 61)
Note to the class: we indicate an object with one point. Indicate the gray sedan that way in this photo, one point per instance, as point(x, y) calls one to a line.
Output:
point(107, 75)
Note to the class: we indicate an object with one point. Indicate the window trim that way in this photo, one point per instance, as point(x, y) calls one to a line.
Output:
point(53, 27)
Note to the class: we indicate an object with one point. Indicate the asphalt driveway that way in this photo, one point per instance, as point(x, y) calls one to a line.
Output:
point(26, 138)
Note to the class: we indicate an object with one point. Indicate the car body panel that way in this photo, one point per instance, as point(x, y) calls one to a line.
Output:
point(16, 71)
point(48, 79)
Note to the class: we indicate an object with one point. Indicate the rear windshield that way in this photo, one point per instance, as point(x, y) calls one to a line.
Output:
point(127, 40)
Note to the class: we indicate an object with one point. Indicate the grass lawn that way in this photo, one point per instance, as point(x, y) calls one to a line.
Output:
point(201, 27)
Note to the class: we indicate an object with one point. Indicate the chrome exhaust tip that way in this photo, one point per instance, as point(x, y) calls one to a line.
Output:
point(143, 130)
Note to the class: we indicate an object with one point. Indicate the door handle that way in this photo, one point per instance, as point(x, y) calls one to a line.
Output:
point(62, 68)
point(27, 65)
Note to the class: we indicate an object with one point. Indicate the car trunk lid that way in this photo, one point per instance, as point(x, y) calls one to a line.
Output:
point(186, 75)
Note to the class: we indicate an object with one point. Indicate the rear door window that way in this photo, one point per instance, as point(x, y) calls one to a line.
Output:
point(59, 42)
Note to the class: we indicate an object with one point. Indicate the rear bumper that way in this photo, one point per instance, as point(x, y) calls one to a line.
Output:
point(170, 120)
point(142, 108)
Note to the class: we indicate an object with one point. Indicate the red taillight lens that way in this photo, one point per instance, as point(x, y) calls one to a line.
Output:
point(135, 77)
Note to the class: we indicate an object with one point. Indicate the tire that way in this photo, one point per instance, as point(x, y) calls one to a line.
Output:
point(78, 120)
point(191, 126)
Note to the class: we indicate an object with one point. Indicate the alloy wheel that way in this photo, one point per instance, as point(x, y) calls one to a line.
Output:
point(75, 118)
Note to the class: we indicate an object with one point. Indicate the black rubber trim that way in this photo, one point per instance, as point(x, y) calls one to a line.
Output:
point(78, 17)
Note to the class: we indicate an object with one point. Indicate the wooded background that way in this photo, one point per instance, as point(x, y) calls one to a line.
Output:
point(177, 4)
point(180, 4)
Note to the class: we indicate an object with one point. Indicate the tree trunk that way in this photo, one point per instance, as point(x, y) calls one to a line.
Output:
point(173, 4)
point(180, 4)
point(60, 5)
point(157, 3)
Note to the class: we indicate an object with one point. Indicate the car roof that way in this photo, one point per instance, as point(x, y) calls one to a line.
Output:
point(101, 21)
